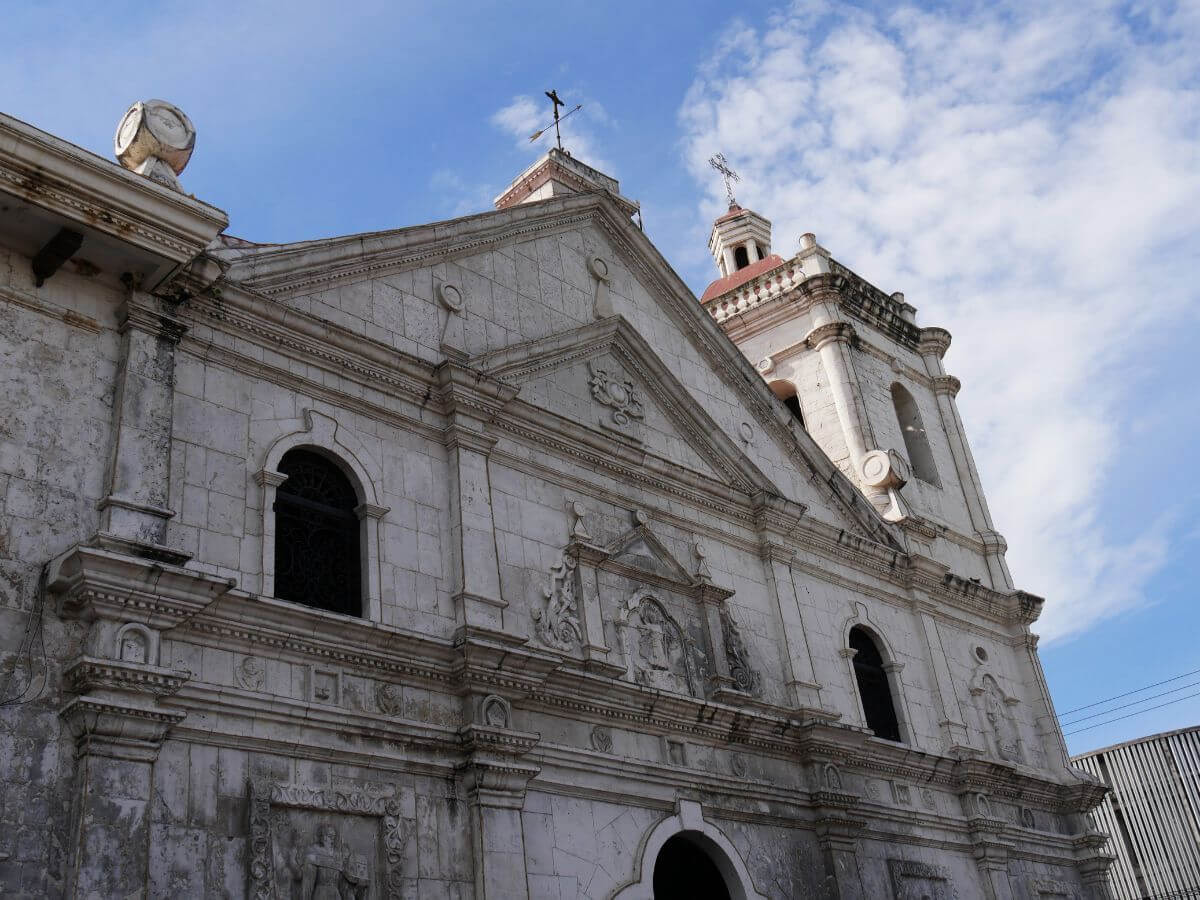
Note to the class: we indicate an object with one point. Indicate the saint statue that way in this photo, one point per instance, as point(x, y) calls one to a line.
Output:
point(332, 872)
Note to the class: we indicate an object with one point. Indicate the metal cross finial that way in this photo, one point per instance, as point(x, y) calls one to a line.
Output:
point(719, 163)
point(553, 95)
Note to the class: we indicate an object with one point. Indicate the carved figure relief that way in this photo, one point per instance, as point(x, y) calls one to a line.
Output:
point(249, 673)
point(833, 777)
point(657, 653)
point(1005, 737)
point(557, 624)
point(745, 677)
point(614, 391)
point(312, 844)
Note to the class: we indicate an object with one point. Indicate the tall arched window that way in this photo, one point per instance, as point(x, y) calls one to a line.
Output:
point(786, 391)
point(873, 686)
point(916, 442)
point(317, 557)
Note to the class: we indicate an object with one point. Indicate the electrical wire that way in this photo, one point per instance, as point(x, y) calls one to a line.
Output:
point(1130, 715)
point(1127, 693)
point(1182, 687)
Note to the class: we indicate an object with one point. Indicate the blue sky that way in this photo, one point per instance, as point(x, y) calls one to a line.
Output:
point(1028, 174)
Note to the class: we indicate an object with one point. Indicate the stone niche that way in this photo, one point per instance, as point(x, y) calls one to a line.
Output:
point(316, 844)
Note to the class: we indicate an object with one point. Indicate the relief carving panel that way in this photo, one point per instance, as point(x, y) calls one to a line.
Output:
point(315, 844)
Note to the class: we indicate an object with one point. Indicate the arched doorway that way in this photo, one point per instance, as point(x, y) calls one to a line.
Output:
point(684, 871)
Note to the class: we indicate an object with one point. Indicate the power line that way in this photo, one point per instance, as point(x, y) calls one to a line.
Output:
point(1182, 687)
point(1129, 715)
point(1128, 693)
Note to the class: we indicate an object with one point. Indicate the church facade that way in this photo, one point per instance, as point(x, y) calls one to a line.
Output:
point(481, 559)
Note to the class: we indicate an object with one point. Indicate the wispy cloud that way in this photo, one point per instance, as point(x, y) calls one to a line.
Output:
point(1028, 176)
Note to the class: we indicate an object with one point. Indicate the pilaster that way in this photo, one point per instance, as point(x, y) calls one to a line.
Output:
point(472, 401)
point(495, 777)
point(134, 509)
point(118, 725)
point(776, 518)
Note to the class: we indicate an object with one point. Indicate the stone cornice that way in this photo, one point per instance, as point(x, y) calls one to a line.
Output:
point(933, 341)
point(101, 196)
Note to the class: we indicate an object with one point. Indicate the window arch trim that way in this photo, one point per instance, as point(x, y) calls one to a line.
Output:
point(323, 434)
point(862, 619)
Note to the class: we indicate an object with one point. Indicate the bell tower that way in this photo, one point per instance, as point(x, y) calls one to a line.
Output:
point(854, 370)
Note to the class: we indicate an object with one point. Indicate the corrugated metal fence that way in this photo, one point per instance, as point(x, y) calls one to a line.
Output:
point(1152, 814)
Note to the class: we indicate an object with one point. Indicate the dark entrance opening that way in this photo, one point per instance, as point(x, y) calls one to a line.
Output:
point(683, 871)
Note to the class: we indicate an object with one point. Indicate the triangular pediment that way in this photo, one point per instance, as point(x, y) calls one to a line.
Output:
point(639, 549)
point(604, 376)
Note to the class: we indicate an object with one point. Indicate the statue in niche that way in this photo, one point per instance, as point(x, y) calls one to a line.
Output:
point(1004, 731)
point(655, 649)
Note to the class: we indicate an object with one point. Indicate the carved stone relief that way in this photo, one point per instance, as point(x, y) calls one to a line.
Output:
point(602, 739)
point(320, 844)
point(1053, 888)
point(657, 652)
point(737, 765)
point(557, 623)
point(250, 674)
point(913, 880)
point(495, 711)
point(389, 698)
point(137, 644)
point(614, 390)
point(745, 677)
point(1006, 739)
point(832, 777)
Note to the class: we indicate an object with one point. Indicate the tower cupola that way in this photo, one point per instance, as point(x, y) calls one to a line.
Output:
point(739, 239)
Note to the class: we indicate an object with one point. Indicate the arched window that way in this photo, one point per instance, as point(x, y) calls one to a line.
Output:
point(684, 871)
point(317, 557)
point(741, 257)
point(916, 442)
point(873, 686)
point(786, 391)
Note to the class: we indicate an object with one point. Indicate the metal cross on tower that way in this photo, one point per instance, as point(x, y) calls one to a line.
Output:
point(719, 163)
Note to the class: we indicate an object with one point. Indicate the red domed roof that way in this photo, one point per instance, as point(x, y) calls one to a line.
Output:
point(741, 276)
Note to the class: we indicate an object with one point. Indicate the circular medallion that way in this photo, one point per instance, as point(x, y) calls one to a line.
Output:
point(451, 297)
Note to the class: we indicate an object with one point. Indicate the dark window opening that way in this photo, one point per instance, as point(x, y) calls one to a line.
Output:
point(786, 391)
point(317, 560)
point(793, 403)
point(741, 257)
point(873, 686)
point(683, 871)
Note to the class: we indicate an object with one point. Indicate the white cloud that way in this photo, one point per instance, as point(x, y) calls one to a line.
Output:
point(1027, 174)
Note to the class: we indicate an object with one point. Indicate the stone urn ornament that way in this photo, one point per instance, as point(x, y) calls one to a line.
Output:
point(155, 139)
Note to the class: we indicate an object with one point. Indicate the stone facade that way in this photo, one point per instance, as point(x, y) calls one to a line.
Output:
point(608, 584)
